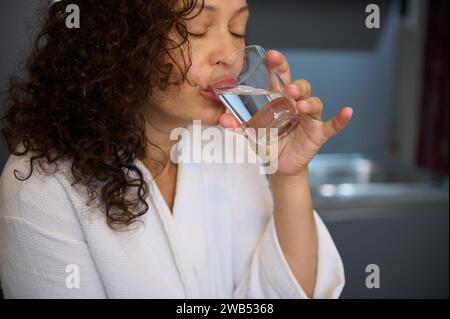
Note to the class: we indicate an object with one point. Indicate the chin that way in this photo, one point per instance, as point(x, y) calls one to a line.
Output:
point(211, 120)
point(210, 114)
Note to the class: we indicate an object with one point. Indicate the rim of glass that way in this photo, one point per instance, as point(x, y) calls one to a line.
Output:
point(258, 48)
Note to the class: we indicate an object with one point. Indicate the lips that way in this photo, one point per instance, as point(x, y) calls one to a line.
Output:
point(219, 85)
point(224, 84)
point(210, 94)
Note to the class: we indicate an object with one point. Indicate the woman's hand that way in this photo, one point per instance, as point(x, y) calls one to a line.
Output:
point(299, 147)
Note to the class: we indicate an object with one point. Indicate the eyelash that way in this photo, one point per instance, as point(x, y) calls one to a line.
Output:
point(238, 35)
point(194, 35)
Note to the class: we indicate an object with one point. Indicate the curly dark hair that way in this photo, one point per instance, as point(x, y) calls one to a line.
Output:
point(84, 92)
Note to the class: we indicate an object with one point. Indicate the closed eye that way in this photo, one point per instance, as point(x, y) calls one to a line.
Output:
point(201, 35)
point(197, 35)
point(238, 35)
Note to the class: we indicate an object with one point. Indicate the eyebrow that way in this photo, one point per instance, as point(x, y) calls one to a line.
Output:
point(215, 9)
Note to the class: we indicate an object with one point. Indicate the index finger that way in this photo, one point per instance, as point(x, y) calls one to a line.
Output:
point(277, 61)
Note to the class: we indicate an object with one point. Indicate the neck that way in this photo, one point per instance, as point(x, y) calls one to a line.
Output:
point(157, 153)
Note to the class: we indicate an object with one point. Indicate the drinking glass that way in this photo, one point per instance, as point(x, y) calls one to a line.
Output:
point(254, 93)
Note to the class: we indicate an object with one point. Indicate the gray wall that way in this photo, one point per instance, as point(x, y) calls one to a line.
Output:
point(17, 25)
point(347, 64)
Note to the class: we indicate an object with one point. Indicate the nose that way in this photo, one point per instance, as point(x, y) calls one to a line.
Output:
point(224, 48)
point(220, 54)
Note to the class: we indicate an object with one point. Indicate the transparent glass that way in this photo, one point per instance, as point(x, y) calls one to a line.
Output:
point(254, 93)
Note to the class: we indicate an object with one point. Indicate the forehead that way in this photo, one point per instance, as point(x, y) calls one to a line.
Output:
point(224, 7)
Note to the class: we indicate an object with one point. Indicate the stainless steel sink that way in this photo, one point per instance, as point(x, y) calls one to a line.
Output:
point(356, 178)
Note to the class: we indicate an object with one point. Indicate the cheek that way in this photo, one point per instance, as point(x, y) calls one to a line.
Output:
point(175, 101)
point(197, 74)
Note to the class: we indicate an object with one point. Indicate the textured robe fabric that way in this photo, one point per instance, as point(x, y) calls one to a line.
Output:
point(219, 241)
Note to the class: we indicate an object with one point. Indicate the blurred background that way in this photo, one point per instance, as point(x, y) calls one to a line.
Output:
point(382, 185)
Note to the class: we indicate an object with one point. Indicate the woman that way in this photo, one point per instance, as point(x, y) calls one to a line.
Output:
point(91, 206)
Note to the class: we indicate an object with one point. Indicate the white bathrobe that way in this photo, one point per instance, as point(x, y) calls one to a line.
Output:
point(219, 242)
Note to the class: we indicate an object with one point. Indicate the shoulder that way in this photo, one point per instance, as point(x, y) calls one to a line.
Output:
point(43, 199)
